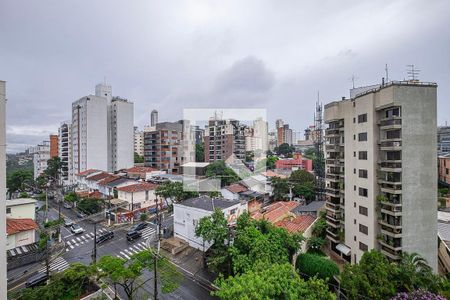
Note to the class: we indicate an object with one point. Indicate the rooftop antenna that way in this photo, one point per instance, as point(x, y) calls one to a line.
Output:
point(353, 78)
point(386, 70)
point(413, 73)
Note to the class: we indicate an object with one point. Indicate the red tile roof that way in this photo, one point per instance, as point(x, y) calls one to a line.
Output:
point(275, 211)
point(139, 187)
point(236, 188)
point(141, 169)
point(87, 172)
point(297, 224)
point(97, 177)
point(14, 226)
point(107, 180)
point(270, 173)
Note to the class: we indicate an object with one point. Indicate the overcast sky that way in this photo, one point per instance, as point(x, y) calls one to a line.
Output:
point(170, 55)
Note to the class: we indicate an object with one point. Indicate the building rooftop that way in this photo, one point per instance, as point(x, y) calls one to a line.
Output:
point(87, 172)
point(108, 180)
point(20, 201)
point(236, 188)
point(14, 226)
point(314, 206)
point(98, 177)
point(119, 181)
point(296, 224)
point(273, 212)
point(444, 232)
point(139, 187)
point(137, 169)
point(194, 164)
point(208, 203)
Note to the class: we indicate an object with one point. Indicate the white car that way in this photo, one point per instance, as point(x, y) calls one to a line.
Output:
point(68, 222)
point(76, 229)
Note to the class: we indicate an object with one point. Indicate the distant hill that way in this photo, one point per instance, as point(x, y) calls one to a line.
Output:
point(18, 161)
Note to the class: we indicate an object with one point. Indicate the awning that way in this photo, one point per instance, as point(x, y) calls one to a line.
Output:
point(344, 249)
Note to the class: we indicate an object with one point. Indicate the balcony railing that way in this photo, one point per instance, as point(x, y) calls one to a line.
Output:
point(332, 192)
point(394, 225)
point(396, 144)
point(394, 164)
point(391, 121)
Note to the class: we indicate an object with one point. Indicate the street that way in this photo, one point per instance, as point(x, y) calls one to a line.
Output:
point(79, 249)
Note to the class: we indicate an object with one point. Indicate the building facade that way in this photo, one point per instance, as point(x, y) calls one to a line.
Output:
point(3, 282)
point(153, 118)
point(161, 147)
point(54, 146)
point(41, 154)
point(444, 169)
point(139, 142)
point(65, 151)
point(121, 133)
point(224, 138)
point(443, 139)
point(381, 171)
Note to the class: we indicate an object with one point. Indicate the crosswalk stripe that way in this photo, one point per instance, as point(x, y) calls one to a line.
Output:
point(100, 230)
point(59, 264)
point(131, 249)
point(92, 234)
point(142, 244)
point(78, 239)
point(127, 251)
point(83, 237)
point(67, 249)
point(138, 248)
point(68, 243)
point(124, 255)
point(119, 256)
point(71, 246)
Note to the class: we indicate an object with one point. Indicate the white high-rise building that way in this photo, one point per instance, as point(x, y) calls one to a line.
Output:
point(102, 132)
point(381, 171)
point(41, 154)
point(89, 134)
point(3, 282)
point(139, 142)
point(65, 151)
point(122, 134)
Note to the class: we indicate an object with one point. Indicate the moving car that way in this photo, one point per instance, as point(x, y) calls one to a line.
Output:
point(68, 222)
point(105, 236)
point(133, 235)
point(36, 280)
point(138, 227)
point(76, 229)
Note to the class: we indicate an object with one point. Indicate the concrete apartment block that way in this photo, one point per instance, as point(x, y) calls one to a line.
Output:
point(65, 151)
point(122, 134)
point(381, 179)
point(3, 283)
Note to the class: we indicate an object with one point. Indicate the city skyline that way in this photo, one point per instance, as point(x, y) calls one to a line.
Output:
point(154, 49)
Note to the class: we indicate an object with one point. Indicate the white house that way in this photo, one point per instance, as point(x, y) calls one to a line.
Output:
point(22, 208)
point(80, 178)
point(139, 195)
point(188, 213)
point(232, 191)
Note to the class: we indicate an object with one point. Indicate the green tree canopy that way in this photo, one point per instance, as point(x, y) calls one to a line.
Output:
point(219, 170)
point(53, 170)
point(138, 159)
point(280, 188)
point(174, 191)
point(310, 265)
point(200, 152)
point(18, 180)
point(272, 281)
point(284, 149)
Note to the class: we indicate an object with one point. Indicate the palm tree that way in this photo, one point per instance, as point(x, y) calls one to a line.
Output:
point(414, 272)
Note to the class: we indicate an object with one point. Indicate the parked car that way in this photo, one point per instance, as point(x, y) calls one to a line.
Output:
point(105, 236)
point(36, 280)
point(138, 227)
point(67, 205)
point(76, 229)
point(133, 235)
point(68, 222)
point(81, 215)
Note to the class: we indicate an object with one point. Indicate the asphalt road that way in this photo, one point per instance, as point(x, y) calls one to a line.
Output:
point(79, 248)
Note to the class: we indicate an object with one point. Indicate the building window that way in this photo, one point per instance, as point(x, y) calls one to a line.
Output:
point(354, 137)
point(354, 204)
point(362, 155)
point(363, 192)
point(354, 120)
point(362, 137)
point(362, 118)
point(362, 173)
point(8, 210)
point(354, 153)
point(363, 229)
point(363, 210)
point(363, 247)
point(354, 171)
point(354, 238)
point(354, 221)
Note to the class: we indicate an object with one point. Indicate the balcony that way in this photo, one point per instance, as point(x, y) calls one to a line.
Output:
point(395, 211)
point(393, 225)
point(392, 254)
point(391, 123)
point(393, 233)
point(332, 207)
point(391, 145)
point(332, 132)
point(332, 192)
point(333, 177)
point(333, 148)
point(333, 162)
point(332, 235)
point(333, 222)
point(391, 188)
point(391, 165)
point(393, 245)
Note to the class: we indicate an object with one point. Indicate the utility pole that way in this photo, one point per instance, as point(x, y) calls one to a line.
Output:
point(46, 203)
point(94, 252)
point(47, 259)
point(132, 208)
point(155, 258)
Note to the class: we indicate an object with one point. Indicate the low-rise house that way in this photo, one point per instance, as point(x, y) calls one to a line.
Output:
point(22, 208)
point(80, 178)
point(254, 200)
point(138, 195)
point(103, 188)
point(194, 169)
point(298, 224)
point(110, 188)
point(295, 163)
point(258, 183)
point(444, 247)
point(313, 208)
point(20, 232)
point(444, 169)
point(92, 181)
point(232, 191)
point(276, 211)
point(144, 173)
point(188, 213)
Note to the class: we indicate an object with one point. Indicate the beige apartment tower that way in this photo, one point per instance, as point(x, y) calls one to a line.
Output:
point(381, 171)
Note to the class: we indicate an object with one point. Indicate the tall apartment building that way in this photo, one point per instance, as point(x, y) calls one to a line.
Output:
point(41, 154)
point(65, 151)
point(121, 133)
point(89, 134)
point(161, 147)
point(381, 179)
point(153, 118)
point(3, 282)
point(102, 132)
point(256, 138)
point(443, 136)
point(279, 123)
point(139, 142)
point(224, 138)
point(54, 145)
point(284, 135)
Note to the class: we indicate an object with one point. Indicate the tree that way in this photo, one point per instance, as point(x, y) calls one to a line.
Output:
point(373, 277)
point(138, 159)
point(90, 206)
point(315, 244)
point(311, 265)
point(280, 188)
point(301, 176)
point(320, 226)
point(306, 190)
point(219, 170)
point(128, 274)
point(23, 195)
point(200, 152)
point(284, 149)
point(174, 191)
point(53, 170)
point(271, 281)
point(71, 197)
point(418, 295)
point(249, 156)
point(17, 181)
point(214, 229)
